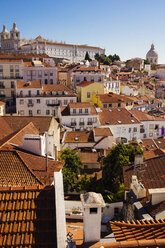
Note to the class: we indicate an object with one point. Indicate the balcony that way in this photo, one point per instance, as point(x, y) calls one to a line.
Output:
point(2, 86)
point(12, 77)
point(53, 104)
point(30, 104)
point(81, 123)
point(73, 124)
point(89, 123)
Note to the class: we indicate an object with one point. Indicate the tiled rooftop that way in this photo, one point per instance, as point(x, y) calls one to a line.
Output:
point(102, 132)
point(15, 123)
point(57, 88)
point(28, 217)
point(28, 84)
point(113, 98)
point(151, 174)
point(14, 172)
point(77, 137)
point(116, 116)
point(139, 230)
point(142, 116)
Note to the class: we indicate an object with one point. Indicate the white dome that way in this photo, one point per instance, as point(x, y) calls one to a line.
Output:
point(152, 52)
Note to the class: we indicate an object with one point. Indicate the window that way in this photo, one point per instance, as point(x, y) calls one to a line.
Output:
point(16, 68)
point(104, 105)
point(86, 111)
point(30, 113)
point(12, 84)
point(29, 92)
point(46, 81)
point(12, 93)
point(135, 129)
point(38, 92)
point(21, 112)
point(156, 126)
point(1, 68)
point(119, 105)
point(30, 101)
point(80, 111)
point(11, 68)
point(2, 85)
point(1, 75)
point(65, 102)
point(28, 73)
point(33, 73)
point(88, 94)
point(21, 101)
point(40, 74)
point(93, 210)
point(47, 101)
point(85, 79)
point(38, 100)
point(38, 111)
point(51, 81)
point(47, 112)
point(110, 105)
point(46, 73)
point(51, 73)
point(74, 111)
point(129, 130)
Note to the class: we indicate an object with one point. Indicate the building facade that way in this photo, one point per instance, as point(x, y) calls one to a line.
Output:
point(72, 53)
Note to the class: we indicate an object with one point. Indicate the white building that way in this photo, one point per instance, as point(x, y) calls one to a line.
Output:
point(34, 99)
point(39, 71)
point(151, 126)
point(2, 108)
point(89, 74)
point(129, 91)
point(112, 86)
point(123, 125)
point(79, 116)
point(160, 72)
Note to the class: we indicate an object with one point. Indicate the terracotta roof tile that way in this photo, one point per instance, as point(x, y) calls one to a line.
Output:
point(14, 172)
point(102, 132)
point(77, 137)
point(16, 123)
point(142, 116)
point(57, 88)
point(151, 173)
point(113, 98)
point(116, 116)
point(28, 217)
point(28, 84)
point(85, 83)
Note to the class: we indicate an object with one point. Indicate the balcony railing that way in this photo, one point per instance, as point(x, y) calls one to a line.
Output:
point(2, 86)
point(30, 104)
point(81, 123)
point(17, 77)
point(53, 104)
point(73, 124)
point(89, 123)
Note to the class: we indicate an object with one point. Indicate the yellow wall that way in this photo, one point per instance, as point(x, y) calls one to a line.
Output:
point(97, 88)
point(7, 77)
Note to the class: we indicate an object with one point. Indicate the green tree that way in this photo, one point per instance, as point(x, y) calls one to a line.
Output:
point(115, 57)
point(87, 57)
point(119, 156)
point(71, 168)
point(146, 62)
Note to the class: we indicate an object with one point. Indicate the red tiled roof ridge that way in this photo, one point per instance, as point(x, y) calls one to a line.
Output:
point(15, 134)
point(19, 154)
point(137, 243)
point(21, 188)
point(139, 224)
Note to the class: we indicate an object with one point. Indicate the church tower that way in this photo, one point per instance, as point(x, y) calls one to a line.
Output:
point(10, 42)
point(152, 56)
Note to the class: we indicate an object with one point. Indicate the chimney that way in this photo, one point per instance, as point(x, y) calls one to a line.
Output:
point(92, 205)
point(138, 188)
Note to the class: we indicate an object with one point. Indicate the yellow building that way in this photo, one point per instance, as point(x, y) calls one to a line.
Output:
point(85, 90)
point(10, 72)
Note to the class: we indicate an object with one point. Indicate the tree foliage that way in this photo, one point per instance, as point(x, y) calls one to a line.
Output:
point(87, 57)
point(119, 156)
point(106, 60)
point(71, 168)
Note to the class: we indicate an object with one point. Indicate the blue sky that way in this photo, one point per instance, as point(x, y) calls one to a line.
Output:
point(124, 27)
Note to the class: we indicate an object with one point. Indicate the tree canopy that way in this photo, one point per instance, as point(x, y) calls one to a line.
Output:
point(119, 156)
point(106, 60)
point(71, 168)
point(87, 57)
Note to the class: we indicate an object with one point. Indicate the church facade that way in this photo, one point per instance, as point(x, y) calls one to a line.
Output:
point(11, 42)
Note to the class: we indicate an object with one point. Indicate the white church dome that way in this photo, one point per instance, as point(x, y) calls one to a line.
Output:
point(152, 52)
